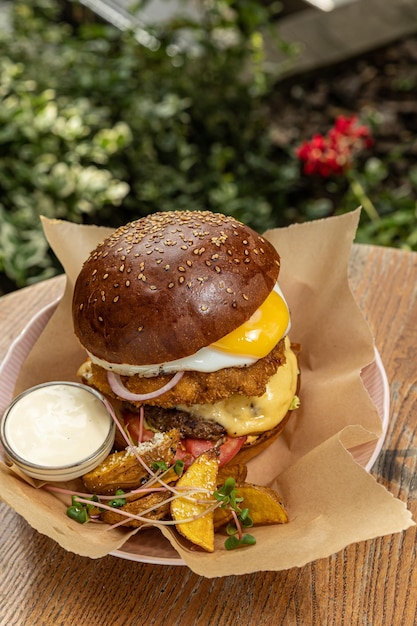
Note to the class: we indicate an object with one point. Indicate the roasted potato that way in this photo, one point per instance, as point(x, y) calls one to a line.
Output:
point(238, 472)
point(202, 473)
point(122, 470)
point(137, 507)
point(264, 504)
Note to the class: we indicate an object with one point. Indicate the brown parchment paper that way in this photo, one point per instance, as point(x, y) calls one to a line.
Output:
point(331, 500)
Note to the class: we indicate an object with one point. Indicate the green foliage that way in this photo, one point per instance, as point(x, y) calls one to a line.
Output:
point(98, 127)
point(101, 126)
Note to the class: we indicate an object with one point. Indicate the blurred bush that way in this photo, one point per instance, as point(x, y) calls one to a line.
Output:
point(97, 127)
point(102, 126)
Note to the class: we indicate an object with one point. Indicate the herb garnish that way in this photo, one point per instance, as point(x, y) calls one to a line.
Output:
point(80, 511)
point(227, 495)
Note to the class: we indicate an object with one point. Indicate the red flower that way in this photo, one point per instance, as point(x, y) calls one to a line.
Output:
point(333, 153)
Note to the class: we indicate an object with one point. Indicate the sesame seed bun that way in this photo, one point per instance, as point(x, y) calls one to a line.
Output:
point(166, 285)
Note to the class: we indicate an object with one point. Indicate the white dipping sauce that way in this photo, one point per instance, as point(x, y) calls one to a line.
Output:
point(57, 425)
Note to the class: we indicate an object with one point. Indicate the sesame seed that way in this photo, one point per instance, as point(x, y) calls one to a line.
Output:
point(153, 287)
point(181, 279)
point(245, 297)
point(81, 306)
point(170, 285)
point(105, 276)
point(116, 299)
point(100, 319)
point(127, 283)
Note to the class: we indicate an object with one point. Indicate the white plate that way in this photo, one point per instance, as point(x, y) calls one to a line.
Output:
point(150, 546)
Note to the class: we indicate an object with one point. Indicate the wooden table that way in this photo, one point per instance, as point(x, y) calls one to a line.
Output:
point(371, 583)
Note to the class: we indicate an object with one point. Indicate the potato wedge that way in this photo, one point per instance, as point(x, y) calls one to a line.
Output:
point(138, 507)
point(202, 473)
point(169, 477)
point(122, 470)
point(221, 517)
point(264, 504)
point(238, 472)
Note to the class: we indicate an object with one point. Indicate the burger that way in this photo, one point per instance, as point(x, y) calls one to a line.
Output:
point(185, 326)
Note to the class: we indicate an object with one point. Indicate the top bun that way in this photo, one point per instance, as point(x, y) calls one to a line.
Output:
point(166, 285)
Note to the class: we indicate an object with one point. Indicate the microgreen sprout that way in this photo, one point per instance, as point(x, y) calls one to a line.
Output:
point(118, 502)
point(234, 542)
point(80, 511)
point(159, 465)
point(228, 497)
point(179, 467)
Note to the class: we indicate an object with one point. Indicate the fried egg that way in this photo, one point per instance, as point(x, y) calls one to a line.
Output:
point(251, 341)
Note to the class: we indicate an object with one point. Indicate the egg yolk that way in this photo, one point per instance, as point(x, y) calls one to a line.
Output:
point(261, 332)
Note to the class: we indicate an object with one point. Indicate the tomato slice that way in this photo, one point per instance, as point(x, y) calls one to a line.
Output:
point(132, 424)
point(227, 450)
point(181, 454)
point(189, 449)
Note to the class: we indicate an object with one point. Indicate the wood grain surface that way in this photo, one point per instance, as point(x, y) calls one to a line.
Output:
point(373, 583)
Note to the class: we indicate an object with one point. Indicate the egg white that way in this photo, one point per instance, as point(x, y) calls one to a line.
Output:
point(204, 360)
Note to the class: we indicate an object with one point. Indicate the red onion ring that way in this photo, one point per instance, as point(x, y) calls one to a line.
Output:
point(120, 390)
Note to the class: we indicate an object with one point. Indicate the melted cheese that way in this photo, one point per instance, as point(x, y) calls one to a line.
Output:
point(242, 415)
